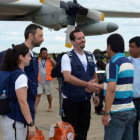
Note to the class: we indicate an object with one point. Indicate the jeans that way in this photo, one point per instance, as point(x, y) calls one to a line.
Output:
point(136, 123)
point(120, 126)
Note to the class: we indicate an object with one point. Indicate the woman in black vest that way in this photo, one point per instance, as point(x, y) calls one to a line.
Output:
point(19, 119)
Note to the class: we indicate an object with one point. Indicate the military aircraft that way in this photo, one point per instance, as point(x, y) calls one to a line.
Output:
point(7, 1)
point(56, 14)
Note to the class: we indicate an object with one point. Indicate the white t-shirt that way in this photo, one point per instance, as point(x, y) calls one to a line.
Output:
point(21, 82)
point(66, 65)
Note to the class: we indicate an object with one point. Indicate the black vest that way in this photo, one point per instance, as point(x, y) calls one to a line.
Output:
point(78, 94)
point(15, 111)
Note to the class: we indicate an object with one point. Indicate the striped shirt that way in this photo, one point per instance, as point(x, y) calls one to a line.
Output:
point(120, 70)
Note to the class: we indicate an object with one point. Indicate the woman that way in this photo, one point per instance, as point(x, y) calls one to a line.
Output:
point(15, 123)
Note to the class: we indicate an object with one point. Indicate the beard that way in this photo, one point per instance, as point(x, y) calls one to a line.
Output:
point(82, 46)
point(36, 44)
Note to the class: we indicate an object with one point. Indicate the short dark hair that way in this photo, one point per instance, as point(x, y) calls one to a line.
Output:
point(116, 43)
point(71, 36)
point(10, 61)
point(31, 29)
point(43, 49)
point(135, 40)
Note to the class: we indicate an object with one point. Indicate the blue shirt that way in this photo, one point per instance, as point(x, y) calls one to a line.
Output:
point(136, 83)
point(120, 70)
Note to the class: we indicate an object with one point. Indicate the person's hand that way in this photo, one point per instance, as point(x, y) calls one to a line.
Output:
point(92, 86)
point(48, 56)
point(96, 101)
point(105, 120)
point(101, 86)
point(31, 130)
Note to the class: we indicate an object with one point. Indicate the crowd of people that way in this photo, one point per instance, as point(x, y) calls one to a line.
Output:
point(118, 86)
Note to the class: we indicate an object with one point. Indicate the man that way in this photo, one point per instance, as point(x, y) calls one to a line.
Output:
point(134, 50)
point(119, 108)
point(33, 38)
point(99, 56)
point(45, 64)
point(77, 74)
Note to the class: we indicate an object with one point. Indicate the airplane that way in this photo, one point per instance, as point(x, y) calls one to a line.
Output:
point(7, 1)
point(56, 14)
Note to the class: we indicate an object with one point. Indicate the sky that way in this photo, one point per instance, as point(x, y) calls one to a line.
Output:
point(54, 41)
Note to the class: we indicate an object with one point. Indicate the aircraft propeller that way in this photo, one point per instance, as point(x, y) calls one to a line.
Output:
point(73, 8)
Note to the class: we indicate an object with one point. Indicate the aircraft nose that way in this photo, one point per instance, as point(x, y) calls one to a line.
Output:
point(111, 27)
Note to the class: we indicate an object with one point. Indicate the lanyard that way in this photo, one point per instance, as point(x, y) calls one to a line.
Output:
point(43, 64)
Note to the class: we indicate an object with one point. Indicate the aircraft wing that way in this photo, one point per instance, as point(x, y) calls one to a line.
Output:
point(13, 10)
point(7, 1)
point(108, 13)
point(124, 14)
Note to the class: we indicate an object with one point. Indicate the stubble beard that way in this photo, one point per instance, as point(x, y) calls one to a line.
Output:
point(82, 47)
point(36, 44)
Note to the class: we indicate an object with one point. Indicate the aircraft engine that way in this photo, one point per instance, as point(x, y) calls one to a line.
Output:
point(98, 28)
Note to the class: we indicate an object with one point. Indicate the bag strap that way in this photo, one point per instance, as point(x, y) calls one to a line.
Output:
point(70, 54)
point(88, 54)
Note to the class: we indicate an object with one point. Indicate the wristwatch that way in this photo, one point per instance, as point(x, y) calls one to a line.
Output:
point(31, 124)
point(107, 113)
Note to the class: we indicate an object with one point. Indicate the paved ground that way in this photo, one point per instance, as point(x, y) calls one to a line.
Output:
point(44, 119)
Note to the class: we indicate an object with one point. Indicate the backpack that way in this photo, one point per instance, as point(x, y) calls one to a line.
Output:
point(4, 91)
point(56, 73)
point(1, 57)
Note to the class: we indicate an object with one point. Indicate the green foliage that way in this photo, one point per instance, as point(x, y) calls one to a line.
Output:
point(127, 54)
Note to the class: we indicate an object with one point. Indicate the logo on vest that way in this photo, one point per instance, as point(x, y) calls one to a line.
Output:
point(90, 59)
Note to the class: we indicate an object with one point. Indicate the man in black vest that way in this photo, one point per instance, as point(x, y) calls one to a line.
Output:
point(33, 38)
point(78, 73)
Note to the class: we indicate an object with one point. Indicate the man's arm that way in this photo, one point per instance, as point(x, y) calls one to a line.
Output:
point(73, 80)
point(95, 77)
point(53, 62)
point(69, 78)
point(109, 98)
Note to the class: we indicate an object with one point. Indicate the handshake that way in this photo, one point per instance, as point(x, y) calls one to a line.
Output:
point(92, 86)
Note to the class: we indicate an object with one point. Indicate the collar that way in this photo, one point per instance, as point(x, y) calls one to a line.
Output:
point(118, 54)
point(31, 53)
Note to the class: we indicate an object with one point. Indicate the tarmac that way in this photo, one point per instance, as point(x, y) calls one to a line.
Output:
point(45, 119)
